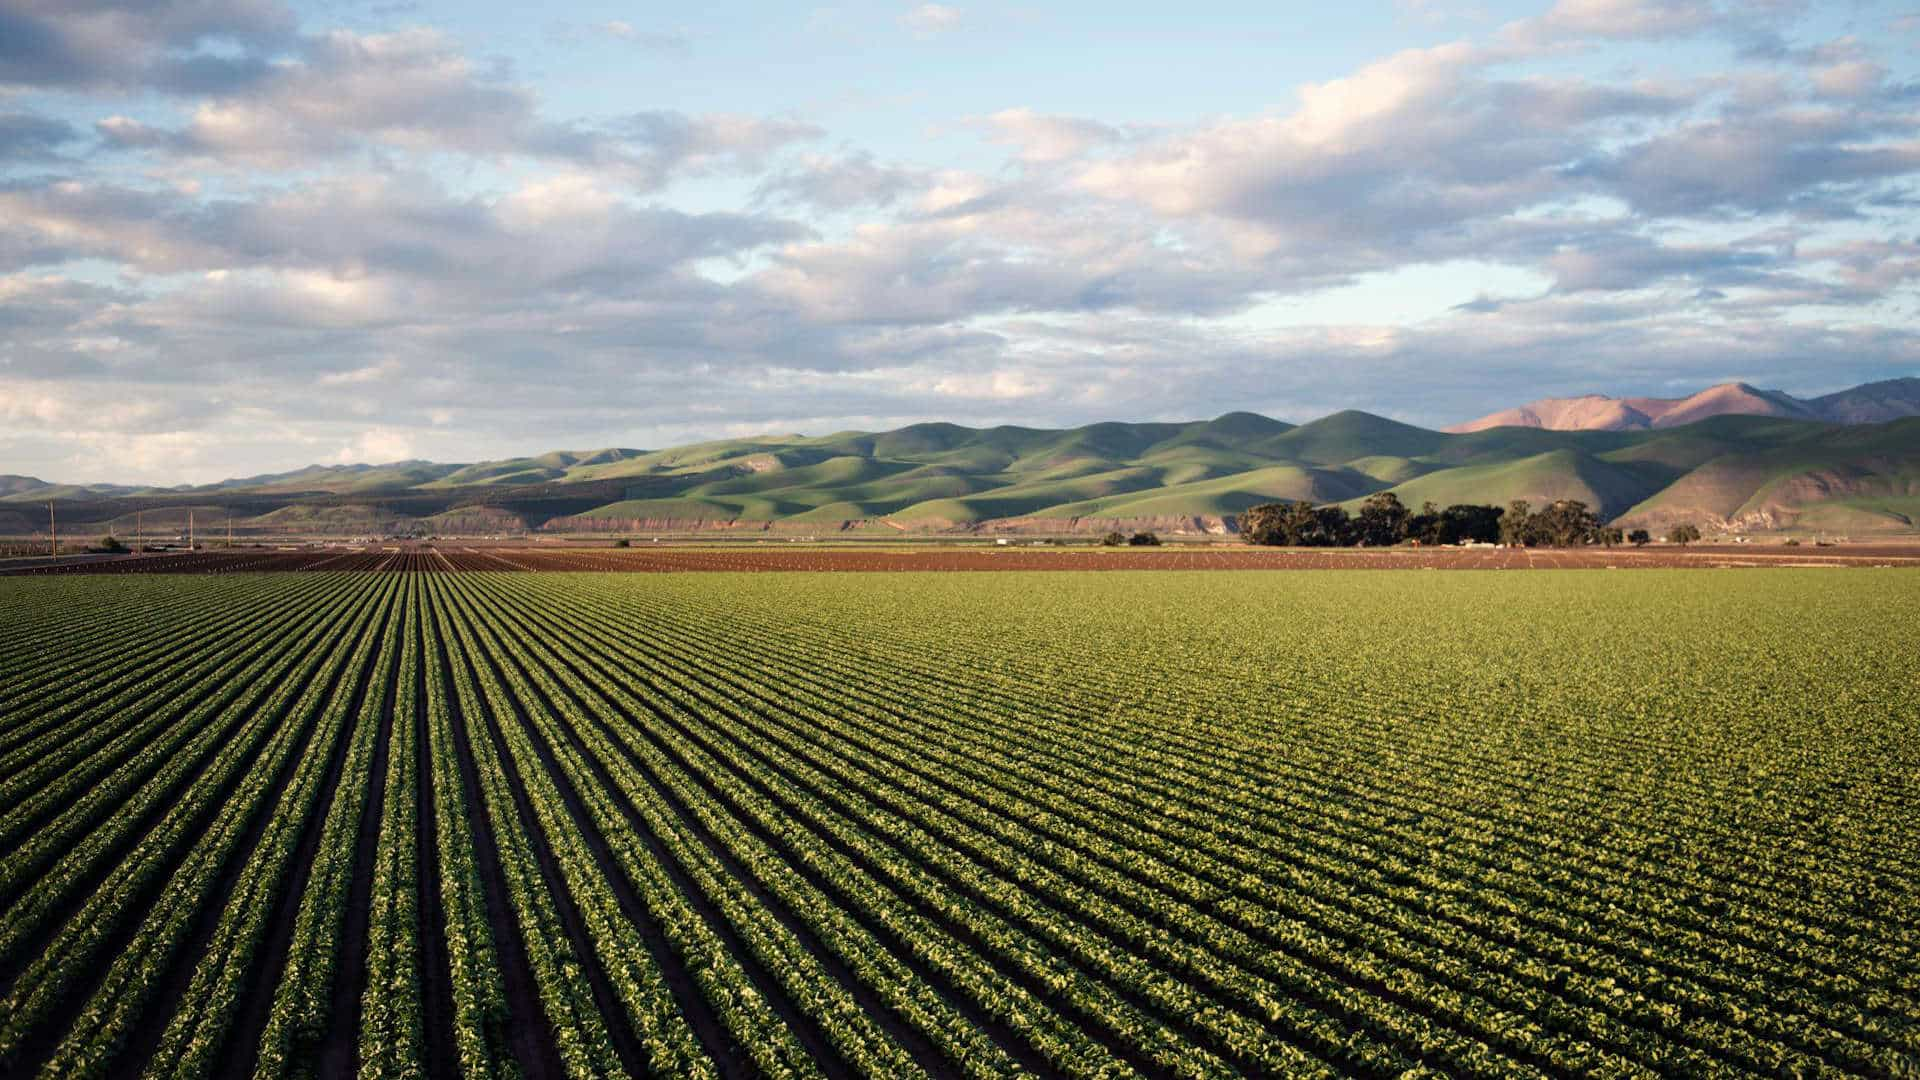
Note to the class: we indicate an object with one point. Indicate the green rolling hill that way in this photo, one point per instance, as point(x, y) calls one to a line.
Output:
point(1565, 473)
point(1752, 472)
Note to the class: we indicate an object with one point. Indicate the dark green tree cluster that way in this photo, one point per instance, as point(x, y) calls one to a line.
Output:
point(1457, 524)
point(1384, 521)
point(1298, 524)
point(1566, 523)
point(1381, 522)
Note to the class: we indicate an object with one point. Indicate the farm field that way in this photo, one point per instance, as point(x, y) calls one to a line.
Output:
point(1174, 824)
point(741, 557)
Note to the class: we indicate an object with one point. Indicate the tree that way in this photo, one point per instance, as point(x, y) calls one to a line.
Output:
point(1426, 526)
point(1683, 534)
point(1382, 521)
point(1610, 536)
point(1143, 539)
point(1466, 522)
point(623, 542)
point(1320, 526)
point(1516, 525)
point(1639, 537)
point(1113, 539)
point(1261, 524)
point(1566, 523)
point(1296, 524)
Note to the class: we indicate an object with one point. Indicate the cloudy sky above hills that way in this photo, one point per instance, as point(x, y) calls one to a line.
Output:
point(238, 235)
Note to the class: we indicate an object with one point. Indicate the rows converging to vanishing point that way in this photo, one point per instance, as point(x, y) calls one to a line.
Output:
point(1181, 824)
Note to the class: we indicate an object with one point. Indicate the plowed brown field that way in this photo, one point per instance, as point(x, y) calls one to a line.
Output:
point(756, 559)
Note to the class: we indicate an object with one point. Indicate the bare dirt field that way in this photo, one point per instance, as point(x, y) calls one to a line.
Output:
point(667, 559)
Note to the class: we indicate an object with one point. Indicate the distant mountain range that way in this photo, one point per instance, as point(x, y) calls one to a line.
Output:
point(1728, 457)
point(1873, 403)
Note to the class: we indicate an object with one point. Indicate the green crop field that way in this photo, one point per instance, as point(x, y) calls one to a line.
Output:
point(1163, 824)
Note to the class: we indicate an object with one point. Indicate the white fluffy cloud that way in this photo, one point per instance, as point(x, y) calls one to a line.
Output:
point(1042, 138)
point(414, 90)
point(335, 244)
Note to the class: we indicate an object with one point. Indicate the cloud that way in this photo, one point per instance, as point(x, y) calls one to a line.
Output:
point(209, 75)
point(1042, 138)
point(28, 137)
point(1623, 262)
point(931, 20)
point(1422, 156)
point(651, 146)
point(848, 182)
point(415, 90)
point(360, 376)
point(1619, 20)
point(1807, 160)
point(48, 222)
point(408, 88)
point(376, 446)
point(565, 231)
point(129, 43)
point(280, 244)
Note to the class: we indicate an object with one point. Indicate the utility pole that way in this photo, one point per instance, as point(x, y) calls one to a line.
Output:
point(137, 530)
point(189, 530)
point(53, 535)
point(229, 526)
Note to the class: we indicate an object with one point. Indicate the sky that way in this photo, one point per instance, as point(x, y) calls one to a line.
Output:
point(242, 236)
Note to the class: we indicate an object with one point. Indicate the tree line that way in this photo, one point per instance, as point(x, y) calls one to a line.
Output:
point(1384, 520)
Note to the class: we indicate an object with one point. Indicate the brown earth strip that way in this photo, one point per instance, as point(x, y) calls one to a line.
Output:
point(626, 1044)
point(339, 1051)
point(91, 880)
point(242, 1047)
point(707, 1026)
point(529, 1035)
point(757, 559)
point(1098, 1027)
point(808, 749)
point(1008, 1039)
point(56, 698)
point(436, 973)
point(176, 978)
point(917, 1044)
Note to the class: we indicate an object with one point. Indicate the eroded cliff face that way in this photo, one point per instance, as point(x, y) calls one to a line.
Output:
point(475, 520)
point(1100, 526)
point(585, 524)
point(1864, 496)
point(880, 527)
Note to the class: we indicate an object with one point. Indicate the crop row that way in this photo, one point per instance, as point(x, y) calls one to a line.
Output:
point(444, 823)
